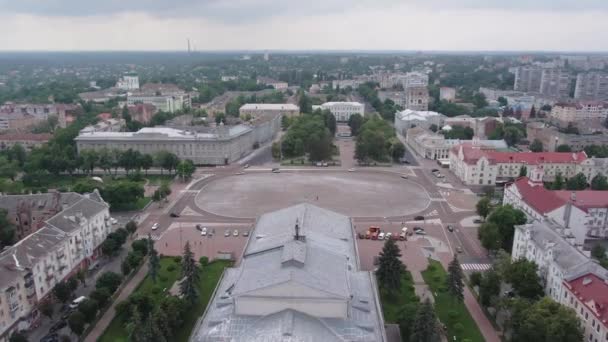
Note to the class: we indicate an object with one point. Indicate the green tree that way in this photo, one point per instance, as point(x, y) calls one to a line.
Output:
point(558, 182)
point(88, 308)
point(523, 276)
point(101, 295)
point(578, 182)
point(533, 112)
point(8, 169)
point(523, 171)
point(131, 227)
point(304, 103)
point(512, 135)
point(7, 230)
point(425, 327)
point(18, 336)
point(563, 148)
point(475, 278)
point(146, 162)
point(479, 100)
point(46, 308)
point(545, 320)
point(185, 169)
point(598, 252)
point(433, 128)
point(483, 207)
point(506, 218)
point(355, 122)
point(330, 121)
point(190, 276)
point(153, 260)
point(502, 101)
point(489, 287)
point(536, 146)
point(62, 292)
point(219, 118)
point(17, 154)
point(89, 159)
point(276, 150)
point(139, 328)
point(108, 280)
point(76, 322)
point(390, 268)
point(599, 182)
point(454, 280)
point(397, 150)
point(489, 236)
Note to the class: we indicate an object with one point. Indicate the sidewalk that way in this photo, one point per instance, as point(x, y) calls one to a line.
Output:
point(108, 316)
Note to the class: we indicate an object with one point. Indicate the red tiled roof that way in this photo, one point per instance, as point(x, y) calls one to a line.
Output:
point(585, 199)
point(593, 292)
point(539, 198)
point(473, 153)
point(104, 116)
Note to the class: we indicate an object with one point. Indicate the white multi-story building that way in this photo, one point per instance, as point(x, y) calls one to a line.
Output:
point(415, 79)
point(278, 85)
point(586, 294)
point(474, 164)
point(435, 146)
point(591, 86)
point(555, 82)
point(581, 111)
point(552, 248)
point(256, 109)
point(527, 78)
point(447, 94)
point(128, 82)
point(343, 110)
point(342, 84)
point(584, 212)
point(165, 97)
point(408, 118)
point(109, 125)
point(398, 97)
point(67, 241)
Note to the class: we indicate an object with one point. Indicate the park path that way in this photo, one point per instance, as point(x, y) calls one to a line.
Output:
point(108, 316)
point(484, 325)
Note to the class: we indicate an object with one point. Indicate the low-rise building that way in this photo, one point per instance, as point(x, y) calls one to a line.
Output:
point(552, 248)
point(585, 110)
point(257, 109)
point(20, 116)
point(27, 140)
point(215, 146)
point(435, 146)
point(417, 98)
point(586, 294)
point(447, 94)
point(142, 112)
point(342, 84)
point(551, 137)
point(408, 118)
point(584, 212)
point(343, 110)
point(109, 125)
point(298, 280)
point(482, 126)
point(128, 82)
point(398, 97)
point(66, 239)
point(278, 85)
point(474, 164)
point(165, 97)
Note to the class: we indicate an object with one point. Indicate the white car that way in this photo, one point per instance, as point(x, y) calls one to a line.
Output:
point(381, 236)
point(113, 220)
point(235, 232)
point(204, 231)
point(351, 170)
point(388, 236)
point(155, 226)
point(404, 176)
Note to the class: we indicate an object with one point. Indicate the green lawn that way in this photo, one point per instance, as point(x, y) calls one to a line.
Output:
point(139, 205)
point(159, 179)
point(210, 275)
point(435, 276)
point(393, 303)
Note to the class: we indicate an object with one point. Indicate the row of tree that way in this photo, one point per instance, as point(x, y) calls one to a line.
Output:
point(578, 182)
point(376, 141)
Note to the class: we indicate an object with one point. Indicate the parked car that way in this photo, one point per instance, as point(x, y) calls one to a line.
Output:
point(381, 236)
point(174, 215)
point(155, 226)
point(198, 227)
point(419, 218)
point(388, 235)
point(54, 337)
point(235, 232)
point(246, 166)
point(240, 173)
point(459, 249)
point(418, 229)
point(420, 232)
point(58, 326)
point(361, 236)
point(204, 231)
point(351, 170)
point(434, 170)
point(477, 221)
point(113, 220)
point(450, 228)
point(404, 176)
point(276, 170)
point(246, 233)
point(324, 164)
point(227, 233)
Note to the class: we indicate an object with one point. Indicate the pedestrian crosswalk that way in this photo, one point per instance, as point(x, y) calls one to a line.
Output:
point(155, 237)
point(434, 212)
point(475, 267)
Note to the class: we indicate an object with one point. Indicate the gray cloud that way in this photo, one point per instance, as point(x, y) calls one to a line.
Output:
point(251, 10)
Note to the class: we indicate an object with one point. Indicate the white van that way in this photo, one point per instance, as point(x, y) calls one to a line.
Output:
point(77, 302)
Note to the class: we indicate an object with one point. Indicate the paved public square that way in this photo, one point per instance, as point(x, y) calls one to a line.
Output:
point(354, 194)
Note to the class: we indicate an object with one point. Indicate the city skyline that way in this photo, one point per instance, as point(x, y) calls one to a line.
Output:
point(328, 25)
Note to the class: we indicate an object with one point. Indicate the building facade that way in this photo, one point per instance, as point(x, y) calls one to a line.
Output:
point(551, 137)
point(555, 82)
point(591, 86)
point(64, 241)
point(398, 97)
point(552, 248)
point(108, 125)
point(408, 118)
point(165, 97)
point(278, 85)
point(447, 94)
point(586, 294)
point(219, 146)
point(343, 110)
point(296, 280)
point(581, 111)
point(528, 78)
point(128, 82)
point(27, 140)
point(257, 109)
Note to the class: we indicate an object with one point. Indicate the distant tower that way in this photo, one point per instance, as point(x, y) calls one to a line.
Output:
point(189, 46)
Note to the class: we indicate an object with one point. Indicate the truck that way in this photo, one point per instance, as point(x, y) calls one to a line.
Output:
point(372, 233)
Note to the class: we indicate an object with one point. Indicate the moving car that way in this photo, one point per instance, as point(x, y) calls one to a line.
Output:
point(174, 215)
point(450, 228)
point(204, 231)
point(478, 221)
point(276, 170)
point(246, 233)
point(404, 176)
point(381, 236)
point(246, 166)
point(420, 232)
point(459, 249)
point(351, 170)
point(227, 233)
point(240, 173)
point(418, 229)
point(155, 226)
point(235, 232)
point(113, 220)
point(419, 218)
point(77, 302)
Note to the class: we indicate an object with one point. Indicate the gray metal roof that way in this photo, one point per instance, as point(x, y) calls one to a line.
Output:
point(323, 258)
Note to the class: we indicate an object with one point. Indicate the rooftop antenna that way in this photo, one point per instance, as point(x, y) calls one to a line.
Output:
point(297, 236)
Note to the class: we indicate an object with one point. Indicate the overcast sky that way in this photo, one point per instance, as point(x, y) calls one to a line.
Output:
point(564, 25)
